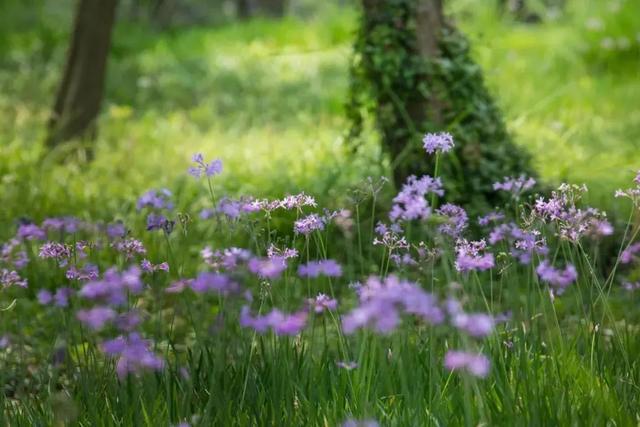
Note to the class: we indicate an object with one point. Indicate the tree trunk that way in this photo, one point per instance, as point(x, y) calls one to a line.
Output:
point(412, 73)
point(80, 94)
point(243, 9)
point(274, 8)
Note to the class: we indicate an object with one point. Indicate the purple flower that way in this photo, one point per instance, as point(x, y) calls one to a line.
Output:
point(129, 247)
point(360, 423)
point(114, 286)
point(285, 253)
point(58, 251)
point(515, 186)
point(410, 203)
point(476, 325)
point(31, 232)
point(438, 142)
point(382, 301)
point(116, 229)
point(267, 268)
point(11, 278)
point(476, 364)
point(202, 168)
point(214, 282)
point(308, 225)
point(96, 318)
point(524, 244)
point(322, 303)
point(159, 222)
point(455, 220)
point(147, 266)
point(13, 254)
point(88, 272)
point(68, 224)
point(313, 269)
point(282, 324)
point(469, 256)
point(629, 253)
point(133, 355)
point(44, 297)
point(490, 217)
point(155, 199)
point(557, 278)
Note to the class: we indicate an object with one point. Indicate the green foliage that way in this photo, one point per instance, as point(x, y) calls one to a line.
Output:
point(410, 95)
point(609, 32)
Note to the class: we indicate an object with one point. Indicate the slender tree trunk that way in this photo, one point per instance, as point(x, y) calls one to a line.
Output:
point(275, 8)
point(243, 9)
point(80, 94)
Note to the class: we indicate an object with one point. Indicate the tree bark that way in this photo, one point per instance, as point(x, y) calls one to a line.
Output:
point(243, 9)
point(80, 94)
point(274, 8)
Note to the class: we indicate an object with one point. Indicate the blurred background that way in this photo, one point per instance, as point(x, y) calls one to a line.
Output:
point(264, 84)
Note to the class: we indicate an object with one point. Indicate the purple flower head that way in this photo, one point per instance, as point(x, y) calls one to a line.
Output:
point(11, 278)
point(67, 224)
point(360, 423)
point(159, 222)
point(383, 301)
point(214, 282)
point(88, 272)
point(285, 253)
point(202, 168)
point(155, 199)
point(44, 297)
point(438, 142)
point(515, 186)
point(31, 232)
point(629, 254)
point(116, 229)
point(456, 220)
point(524, 244)
point(280, 323)
point(57, 251)
point(571, 222)
point(129, 247)
point(133, 355)
point(322, 303)
point(267, 268)
point(13, 254)
point(470, 256)
point(410, 203)
point(308, 224)
point(313, 269)
point(297, 201)
point(477, 325)
point(96, 318)
point(114, 286)
point(559, 279)
point(477, 365)
point(228, 259)
point(490, 217)
point(147, 266)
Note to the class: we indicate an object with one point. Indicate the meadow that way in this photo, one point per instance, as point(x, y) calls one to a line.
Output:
point(276, 279)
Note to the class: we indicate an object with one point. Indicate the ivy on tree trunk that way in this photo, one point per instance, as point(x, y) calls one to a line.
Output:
point(411, 74)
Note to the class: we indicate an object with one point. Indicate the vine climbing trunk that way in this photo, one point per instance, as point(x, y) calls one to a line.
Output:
point(79, 96)
point(412, 72)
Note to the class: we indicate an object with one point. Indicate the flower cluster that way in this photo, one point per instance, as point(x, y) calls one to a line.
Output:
point(201, 168)
point(437, 142)
point(410, 203)
point(313, 269)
